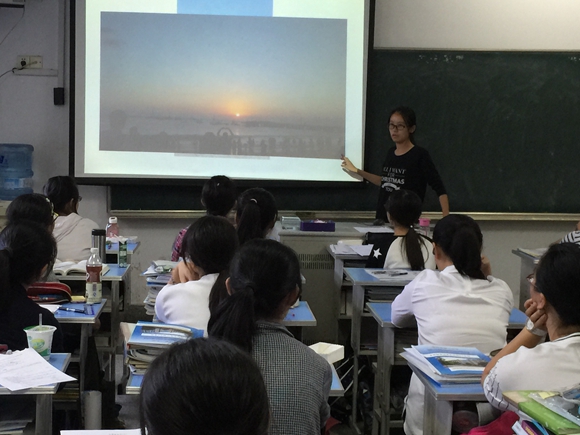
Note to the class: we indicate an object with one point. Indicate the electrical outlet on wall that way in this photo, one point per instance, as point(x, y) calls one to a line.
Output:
point(28, 62)
point(36, 62)
point(22, 61)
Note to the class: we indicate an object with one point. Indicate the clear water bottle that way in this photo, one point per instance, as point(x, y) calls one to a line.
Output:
point(112, 227)
point(94, 287)
point(424, 225)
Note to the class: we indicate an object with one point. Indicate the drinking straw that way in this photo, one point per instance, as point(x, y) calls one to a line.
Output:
point(40, 319)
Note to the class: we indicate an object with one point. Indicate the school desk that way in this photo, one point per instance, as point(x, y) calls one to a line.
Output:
point(391, 342)
point(86, 320)
point(527, 266)
point(43, 393)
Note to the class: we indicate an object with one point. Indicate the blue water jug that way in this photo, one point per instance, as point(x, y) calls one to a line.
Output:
point(15, 170)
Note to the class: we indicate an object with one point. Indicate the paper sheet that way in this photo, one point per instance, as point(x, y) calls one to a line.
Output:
point(27, 369)
point(50, 307)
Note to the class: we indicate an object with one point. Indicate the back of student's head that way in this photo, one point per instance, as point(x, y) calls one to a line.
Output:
point(61, 190)
point(558, 278)
point(404, 208)
point(263, 274)
point(206, 387)
point(30, 207)
point(25, 249)
point(461, 240)
point(218, 195)
point(256, 214)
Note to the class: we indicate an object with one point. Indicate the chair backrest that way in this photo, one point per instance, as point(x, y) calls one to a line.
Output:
point(49, 292)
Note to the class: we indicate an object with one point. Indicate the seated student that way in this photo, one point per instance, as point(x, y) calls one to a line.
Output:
point(256, 214)
point(206, 387)
point(218, 196)
point(573, 237)
point(527, 363)
point(208, 247)
point(26, 250)
point(32, 207)
point(409, 250)
point(460, 306)
point(264, 282)
point(71, 231)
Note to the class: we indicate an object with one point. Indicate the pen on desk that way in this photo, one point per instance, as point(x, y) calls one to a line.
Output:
point(72, 310)
point(397, 273)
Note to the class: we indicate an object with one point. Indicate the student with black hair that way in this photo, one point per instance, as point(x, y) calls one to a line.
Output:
point(409, 250)
point(407, 166)
point(71, 231)
point(206, 387)
point(218, 196)
point(462, 305)
point(32, 207)
point(208, 247)
point(256, 214)
point(527, 363)
point(264, 283)
point(26, 250)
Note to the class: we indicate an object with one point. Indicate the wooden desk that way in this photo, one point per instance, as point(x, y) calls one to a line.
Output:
point(43, 393)
point(86, 321)
point(387, 358)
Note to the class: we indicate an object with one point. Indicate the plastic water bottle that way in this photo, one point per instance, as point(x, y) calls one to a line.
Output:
point(112, 227)
point(424, 224)
point(94, 288)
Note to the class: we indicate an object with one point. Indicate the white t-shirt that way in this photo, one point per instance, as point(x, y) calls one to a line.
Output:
point(451, 310)
point(186, 303)
point(396, 259)
point(73, 237)
point(548, 366)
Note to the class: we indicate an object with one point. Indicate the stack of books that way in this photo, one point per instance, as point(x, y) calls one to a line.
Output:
point(158, 275)
point(447, 364)
point(145, 341)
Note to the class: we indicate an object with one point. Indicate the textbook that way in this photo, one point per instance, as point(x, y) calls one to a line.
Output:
point(160, 335)
point(448, 364)
point(63, 268)
point(160, 267)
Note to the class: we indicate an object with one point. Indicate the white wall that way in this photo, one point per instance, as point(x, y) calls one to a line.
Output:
point(27, 114)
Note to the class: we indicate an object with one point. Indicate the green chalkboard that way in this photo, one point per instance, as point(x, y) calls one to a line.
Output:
point(503, 128)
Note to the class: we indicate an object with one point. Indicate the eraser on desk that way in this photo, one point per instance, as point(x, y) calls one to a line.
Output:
point(317, 225)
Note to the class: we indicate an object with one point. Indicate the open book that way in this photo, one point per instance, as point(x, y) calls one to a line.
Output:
point(64, 268)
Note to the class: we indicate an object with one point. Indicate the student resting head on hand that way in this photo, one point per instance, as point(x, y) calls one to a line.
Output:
point(527, 363)
point(206, 387)
point(264, 283)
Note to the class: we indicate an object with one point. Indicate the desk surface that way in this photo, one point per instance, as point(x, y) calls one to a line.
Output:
point(115, 273)
point(381, 312)
point(359, 276)
point(341, 230)
point(72, 317)
point(59, 361)
point(300, 316)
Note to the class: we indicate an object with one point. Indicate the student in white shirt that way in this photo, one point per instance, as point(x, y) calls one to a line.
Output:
point(527, 363)
point(409, 250)
point(71, 231)
point(207, 249)
point(460, 306)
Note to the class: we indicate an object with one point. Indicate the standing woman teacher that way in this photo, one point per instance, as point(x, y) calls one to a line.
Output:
point(407, 166)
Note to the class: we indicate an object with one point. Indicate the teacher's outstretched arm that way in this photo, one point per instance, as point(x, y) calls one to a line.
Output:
point(347, 164)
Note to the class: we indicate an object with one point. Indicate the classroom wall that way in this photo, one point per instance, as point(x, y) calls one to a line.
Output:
point(27, 114)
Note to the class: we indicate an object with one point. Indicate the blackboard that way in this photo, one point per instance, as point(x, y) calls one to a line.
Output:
point(502, 127)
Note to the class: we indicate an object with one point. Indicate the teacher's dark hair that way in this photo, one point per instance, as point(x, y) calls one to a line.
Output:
point(558, 278)
point(32, 207)
point(461, 240)
point(204, 387)
point(404, 207)
point(408, 116)
point(25, 249)
point(60, 190)
point(262, 274)
point(210, 243)
point(218, 195)
point(256, 214)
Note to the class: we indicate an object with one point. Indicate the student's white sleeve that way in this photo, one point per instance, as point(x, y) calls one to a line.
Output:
point(402, 314)
point(160, 304)
point(492, 387)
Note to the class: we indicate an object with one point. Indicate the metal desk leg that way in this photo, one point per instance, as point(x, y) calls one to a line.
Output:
point(386, 360)
point(358, 296)
point(85, 333)
point(43, 423)
point(437, 416)
point(114, 328)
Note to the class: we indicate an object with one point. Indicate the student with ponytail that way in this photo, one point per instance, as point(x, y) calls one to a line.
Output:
point(462, 305)
point(26, 250)
point(256, 214)
point(409, 250)
point(207, 249)
point(264, 283)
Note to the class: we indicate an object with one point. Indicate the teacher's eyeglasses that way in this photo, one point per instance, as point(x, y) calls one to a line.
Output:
point(397, 127)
